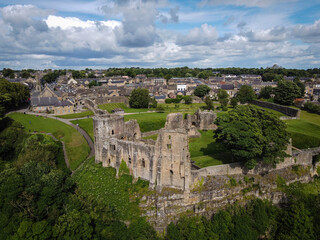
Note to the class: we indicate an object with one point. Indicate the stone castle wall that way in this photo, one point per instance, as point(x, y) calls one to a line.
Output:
point(112, 99)
point(292, 112)
point(166, 164)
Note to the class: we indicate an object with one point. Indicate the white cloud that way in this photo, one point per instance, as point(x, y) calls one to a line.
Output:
point(73, 22)
point(247, 3)
point(307, 33)
point(205, 35)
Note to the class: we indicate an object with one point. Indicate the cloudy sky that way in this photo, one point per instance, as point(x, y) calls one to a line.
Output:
point(77, 34)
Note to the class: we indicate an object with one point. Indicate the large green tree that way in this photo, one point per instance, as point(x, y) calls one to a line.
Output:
point(266, 92)
point(223, 98)
point(201, 91)
point(286, 92)
point(252, 134)
point(246, 94)
point(139, 98)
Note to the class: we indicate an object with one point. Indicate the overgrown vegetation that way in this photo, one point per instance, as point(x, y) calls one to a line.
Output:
point(76, 146)
point(248, 133)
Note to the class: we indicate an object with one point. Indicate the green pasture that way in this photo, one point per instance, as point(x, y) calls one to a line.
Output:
point(110, 106)
point(120, 194)
point(205, 151)
point(76, 115)
point(153, 137)
point(305, 132)
point(148, 121)
point(87, 125)
point(76, 146)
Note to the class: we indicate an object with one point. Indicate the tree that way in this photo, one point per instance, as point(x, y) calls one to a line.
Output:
point(234, 102)
point(201, 91)
point(139, 98)
point(209, 103)
point(187, 99)
point(246, 94)
point(286, 92)
point(223, 98)
point(252, 134)
point(153, 103)
point(301, 86)
point(266, 92)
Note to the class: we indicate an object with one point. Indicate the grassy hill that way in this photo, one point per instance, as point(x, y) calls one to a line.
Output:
point(76, 146)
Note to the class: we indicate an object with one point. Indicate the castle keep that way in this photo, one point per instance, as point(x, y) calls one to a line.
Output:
point(164, 162)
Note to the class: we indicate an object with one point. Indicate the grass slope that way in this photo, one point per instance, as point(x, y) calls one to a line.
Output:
point(76, 115)
point(305, 132)
point(149, 121)
point(86, 125)
point(205, 151)
point(76, 146)
point(120, 194)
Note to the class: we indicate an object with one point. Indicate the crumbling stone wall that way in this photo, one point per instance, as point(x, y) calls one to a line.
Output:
point(112, 99)
point(165, 162)
point(292, 112)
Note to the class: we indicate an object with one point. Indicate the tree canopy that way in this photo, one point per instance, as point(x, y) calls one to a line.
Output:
point(223, 98)
point(266, 92)
point(252, 134)
point(12, 95)
point(139, 98)
point(201, 91)
point(246, 94)
point(286, 92)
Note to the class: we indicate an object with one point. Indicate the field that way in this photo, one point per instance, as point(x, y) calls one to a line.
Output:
point(102, 184)
point(87, 125)
point(181, 107)
point(149, 121)
point(205, 151)
point(305, 132)
point(76, 115)
point(110, 106)
point(76, 146)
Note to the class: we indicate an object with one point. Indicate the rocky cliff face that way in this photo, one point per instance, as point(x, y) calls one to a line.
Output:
point(212, 193)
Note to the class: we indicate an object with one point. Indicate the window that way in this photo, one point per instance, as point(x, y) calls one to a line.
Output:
point(129, 161)
point(112, 132)
point(143, 163)
point(169, 146)
point(109, 161)
point(171, 172)
point(169, 136)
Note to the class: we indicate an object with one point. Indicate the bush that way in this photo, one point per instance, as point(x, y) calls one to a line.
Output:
point(160, 109)
point(312, 107)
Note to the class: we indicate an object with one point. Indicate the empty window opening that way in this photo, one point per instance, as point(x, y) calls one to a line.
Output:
point(169, 136)
point(171, 172)
point(112, 132)
point(113, 147)
point(169, 146)
point(129, 160)
point(143, 163)
point(109, 161)
point(193, 123)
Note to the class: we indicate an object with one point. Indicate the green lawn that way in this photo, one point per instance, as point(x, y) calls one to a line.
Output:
point(205, 151)
point(153, 137)
point(305, 132)
point(110, 106)
point(149, 121)
point(119, 193)
point(76, 146)
point(86, 125)
point(76, 115)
